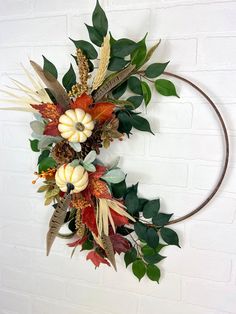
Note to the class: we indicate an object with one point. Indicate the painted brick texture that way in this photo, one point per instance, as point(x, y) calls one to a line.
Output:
point(179, 164)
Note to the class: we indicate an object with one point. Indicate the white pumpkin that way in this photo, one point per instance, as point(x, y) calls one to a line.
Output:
point(77, 176)
point(76, 125)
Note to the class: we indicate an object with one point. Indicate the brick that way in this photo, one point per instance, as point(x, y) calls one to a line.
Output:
point(36, 284)
point(18, 30)
point(16, 135)
point(118, 30)
point(171, 174)
point(193, 19)
point(9, 254)
point(15, 55)
point(66, 267)
point(22, 184)
point(16, 209)
point(169, 287)
point(204, 177)
point(15, 302)
point(173, 115)
point(102, 299)
point(209, 294)
point(182, 53)
point(41, 306)
point(61, 6)
point(10, 8)
point(211, 53)
point(210, 236)
point(9, 160)
point(204, 118)
point(198, 264)
point(187, 146)
point(147, 304)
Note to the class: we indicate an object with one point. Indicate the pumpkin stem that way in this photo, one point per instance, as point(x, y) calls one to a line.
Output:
point(70, 187)
point(79, 126)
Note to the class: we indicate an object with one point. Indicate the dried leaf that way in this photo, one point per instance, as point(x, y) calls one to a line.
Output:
point(53, 85)
point(49, 111)
point(51, 129)
point(89, 219)
point(82, 102)
point(57, 220)
point(120, 244)
point(99, 189)
point(102, 111)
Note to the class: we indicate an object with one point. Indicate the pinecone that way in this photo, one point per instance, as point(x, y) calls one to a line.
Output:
point(62, 153)
point(94, 142)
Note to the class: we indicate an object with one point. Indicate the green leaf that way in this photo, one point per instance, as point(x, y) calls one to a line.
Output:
point(139, 54)
point(117, 64)
point(139, 269)
point(87, 48)
point(140, 124)
point(49, 67)
point(43, 155)
point(34, 145)
point(114, 176)
point(136, 102)
point(135, 85)
point(130, 256)
point(147, 250)
point(147, 94)
point(141, 230)
point(125, 125)
point(118, 189)
point(155, 69)
point(153, 259)
point(165, 88)
point(112, 39)
point(170, 236)
point(69, 79)
point(99, 19)
point(142, 202)
point(161, 219)
point(72, 225)
point(153, 272)
point(131, 201)
point(123, 47)
point(88, 245)
point(46, 163)
point(120, 90)
point(91, 66)
point(152, 238)
point(160, 247)
point(151, 208)
point(94, 35)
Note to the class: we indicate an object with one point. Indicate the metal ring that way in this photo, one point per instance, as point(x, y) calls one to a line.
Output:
point(226, 157)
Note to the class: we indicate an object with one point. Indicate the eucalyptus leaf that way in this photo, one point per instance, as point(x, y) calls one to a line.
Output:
point(75, 146)
point(90, 157)
point(37, 127)
point(75, 163)
point(46, 140)
point(114, 176)
point(89, 167)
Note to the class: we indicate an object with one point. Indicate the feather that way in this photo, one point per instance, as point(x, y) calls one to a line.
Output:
point(116, 80)
point(57, 220)
point(103, 64)
point(52, 83)
point(108, 248)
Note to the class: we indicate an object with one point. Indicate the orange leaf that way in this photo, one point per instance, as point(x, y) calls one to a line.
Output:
point(49, 111)
point(83, 102)
point(102, 111)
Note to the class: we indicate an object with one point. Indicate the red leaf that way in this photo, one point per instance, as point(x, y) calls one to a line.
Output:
point(118, 219)
point(120, 244)
point(77, 242)
point(83, 102)
point(49, 111)
point(100, 170)
point(51, 129)
point(89, 219)
point(96, 259)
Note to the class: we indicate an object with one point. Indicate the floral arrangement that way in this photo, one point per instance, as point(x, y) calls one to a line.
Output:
point(72, 122)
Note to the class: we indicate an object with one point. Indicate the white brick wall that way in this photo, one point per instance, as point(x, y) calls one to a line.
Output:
point(181, 163)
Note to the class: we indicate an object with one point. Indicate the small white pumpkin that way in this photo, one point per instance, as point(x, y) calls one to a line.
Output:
point(77, 176)
point(76, 125)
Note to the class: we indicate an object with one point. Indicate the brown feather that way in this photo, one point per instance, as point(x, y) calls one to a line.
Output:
point(57, 220)
point(53, 85)
point(108, 248)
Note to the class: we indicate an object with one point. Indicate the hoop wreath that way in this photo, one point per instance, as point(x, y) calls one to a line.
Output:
point(73, 121)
